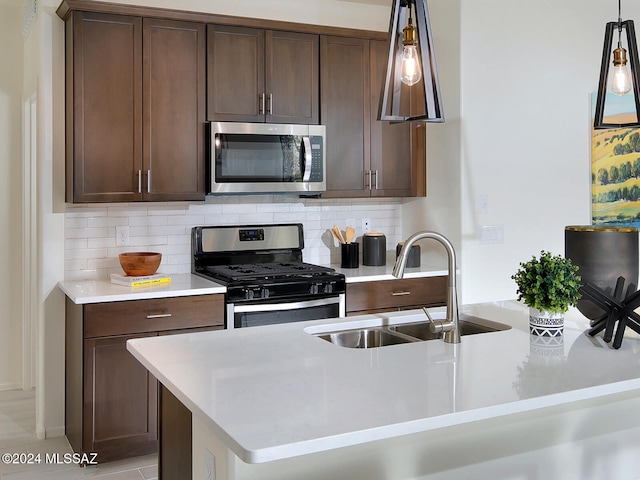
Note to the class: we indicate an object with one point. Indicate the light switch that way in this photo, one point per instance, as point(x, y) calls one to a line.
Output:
point(483, 205)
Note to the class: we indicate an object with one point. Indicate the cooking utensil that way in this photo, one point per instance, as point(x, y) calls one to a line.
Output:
point(338, 234)
point(350, 234)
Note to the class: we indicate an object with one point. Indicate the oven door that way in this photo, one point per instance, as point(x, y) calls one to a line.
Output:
point(255, 314)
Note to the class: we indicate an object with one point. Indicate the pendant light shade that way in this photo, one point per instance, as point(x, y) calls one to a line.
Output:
point(620, 80)
point(411, 88)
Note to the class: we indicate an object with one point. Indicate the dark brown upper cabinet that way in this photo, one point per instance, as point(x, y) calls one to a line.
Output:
point(135, 108)
point(365, 157)
point(257, 75)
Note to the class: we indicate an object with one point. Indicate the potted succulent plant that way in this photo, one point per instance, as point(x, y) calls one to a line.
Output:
point(549, 285)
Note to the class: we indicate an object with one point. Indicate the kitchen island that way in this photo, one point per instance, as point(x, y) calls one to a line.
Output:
point(278, 402)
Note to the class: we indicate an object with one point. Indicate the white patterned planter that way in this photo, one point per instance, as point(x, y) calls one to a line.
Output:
point(545, 324)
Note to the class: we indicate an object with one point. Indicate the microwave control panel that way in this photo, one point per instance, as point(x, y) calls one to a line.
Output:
point(317, 167)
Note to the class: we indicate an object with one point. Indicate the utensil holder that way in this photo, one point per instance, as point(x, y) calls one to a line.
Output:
point(349, 255)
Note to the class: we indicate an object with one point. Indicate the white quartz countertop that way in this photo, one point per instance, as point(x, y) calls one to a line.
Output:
point(185, 284)
point(365, 273)
point(276, 392)
point(97, 291)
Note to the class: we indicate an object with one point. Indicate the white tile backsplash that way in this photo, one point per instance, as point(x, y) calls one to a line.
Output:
point(90, 243)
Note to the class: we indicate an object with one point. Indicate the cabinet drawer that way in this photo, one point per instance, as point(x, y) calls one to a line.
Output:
point(396, 294)
point(140, 316)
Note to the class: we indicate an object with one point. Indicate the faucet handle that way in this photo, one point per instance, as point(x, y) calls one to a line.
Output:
point(426, 312)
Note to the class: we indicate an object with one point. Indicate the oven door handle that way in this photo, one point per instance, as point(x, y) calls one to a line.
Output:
point(275, 307)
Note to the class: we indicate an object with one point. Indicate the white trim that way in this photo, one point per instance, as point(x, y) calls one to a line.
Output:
point(29, 244)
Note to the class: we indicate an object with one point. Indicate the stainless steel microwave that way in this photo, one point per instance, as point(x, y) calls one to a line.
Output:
point(267, 158)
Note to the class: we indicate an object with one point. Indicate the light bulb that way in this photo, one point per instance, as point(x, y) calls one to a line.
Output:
point(620, 77)
point(411, 72)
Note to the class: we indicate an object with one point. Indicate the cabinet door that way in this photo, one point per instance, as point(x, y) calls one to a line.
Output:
point(174, 110)
point(120, 401)
point(235, 74)
point(345, 110)
point(392, 163)
point(104, 107)
point(291, 77)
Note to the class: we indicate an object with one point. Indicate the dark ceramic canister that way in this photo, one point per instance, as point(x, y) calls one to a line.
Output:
point(349, 255)
point(374, 249)
point(603, 254)
point(413, 259)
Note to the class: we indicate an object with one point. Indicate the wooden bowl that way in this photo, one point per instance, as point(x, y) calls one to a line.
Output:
point(140, 263)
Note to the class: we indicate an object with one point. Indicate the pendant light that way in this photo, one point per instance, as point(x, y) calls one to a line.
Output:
point(411, 88)
point(623, 78)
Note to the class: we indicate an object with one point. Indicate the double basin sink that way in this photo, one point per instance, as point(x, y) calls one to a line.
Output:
point(414, 331)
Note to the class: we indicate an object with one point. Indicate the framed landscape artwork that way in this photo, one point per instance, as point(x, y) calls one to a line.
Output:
point(615, 166)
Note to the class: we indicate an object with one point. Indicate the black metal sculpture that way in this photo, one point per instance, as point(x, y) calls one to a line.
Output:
point(616, 310)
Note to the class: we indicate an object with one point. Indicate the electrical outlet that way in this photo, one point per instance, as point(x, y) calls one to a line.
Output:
point(366, 225)
point(209, 465)
point(122, 235)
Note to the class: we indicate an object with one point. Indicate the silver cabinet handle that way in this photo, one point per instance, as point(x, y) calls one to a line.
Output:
point(148, 181)
point(375, 172)
point(261, 110)
point(367, 179)
point(398, 294)
point(139, 181)
point(159, 315)
point(270, 111)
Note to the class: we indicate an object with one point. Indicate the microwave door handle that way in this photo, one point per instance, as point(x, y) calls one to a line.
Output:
point(306, 142)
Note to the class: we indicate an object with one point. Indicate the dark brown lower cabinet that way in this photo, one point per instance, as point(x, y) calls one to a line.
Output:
point(111, 400)
point(395, 295)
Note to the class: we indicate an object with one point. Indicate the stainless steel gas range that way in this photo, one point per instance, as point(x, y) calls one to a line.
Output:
point(267, 281)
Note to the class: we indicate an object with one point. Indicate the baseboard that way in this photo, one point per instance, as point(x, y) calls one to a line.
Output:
point(54, 432)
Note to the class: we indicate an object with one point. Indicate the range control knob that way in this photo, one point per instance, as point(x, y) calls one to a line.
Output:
point(264, 293)
point(313, 290)
point(328, 288)
point(248, 294)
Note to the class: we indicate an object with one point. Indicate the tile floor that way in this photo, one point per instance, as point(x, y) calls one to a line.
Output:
point(17, 427)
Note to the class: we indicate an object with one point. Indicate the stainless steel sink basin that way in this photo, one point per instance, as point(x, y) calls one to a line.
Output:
point(365, 338)
point(373, 337)
point(468, 326)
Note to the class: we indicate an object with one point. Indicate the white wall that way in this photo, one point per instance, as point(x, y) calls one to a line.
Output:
point(361, 14)
point(43, 75)
point(518, 131)
point(528, 69)
point(440, 210)
point(10, 195)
